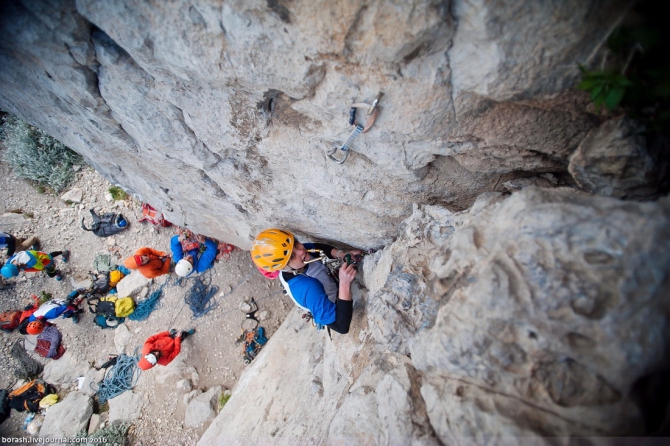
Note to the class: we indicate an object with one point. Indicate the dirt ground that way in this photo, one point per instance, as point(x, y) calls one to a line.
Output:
point(212, 350)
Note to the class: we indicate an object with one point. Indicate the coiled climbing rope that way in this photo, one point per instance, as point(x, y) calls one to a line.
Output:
point(118, 378)
point(198, 298)
point(144, 308)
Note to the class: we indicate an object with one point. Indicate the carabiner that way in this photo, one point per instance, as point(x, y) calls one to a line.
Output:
point(372, 114)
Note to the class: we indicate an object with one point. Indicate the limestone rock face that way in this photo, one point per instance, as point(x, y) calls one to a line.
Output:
point(615, 160)
point(532, 315)
point(220, 114)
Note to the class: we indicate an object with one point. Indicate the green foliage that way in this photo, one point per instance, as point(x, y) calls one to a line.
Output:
point(606, 87)
point(223, 399)
point(114, 434)
point(634, 72)
point(36, 156)
point(118, 193)
point(45, 297)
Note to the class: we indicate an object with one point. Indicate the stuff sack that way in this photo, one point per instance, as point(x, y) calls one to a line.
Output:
point(106, 224)
point(124, 307)
point(154, 217)
point(115, 277)
point(49, 343)
point(4, 405)
point(29, 395)
point(9, 320)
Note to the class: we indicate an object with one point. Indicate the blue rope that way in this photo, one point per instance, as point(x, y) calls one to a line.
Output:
point(198, 298)
point(144, 308)
point(120, 377)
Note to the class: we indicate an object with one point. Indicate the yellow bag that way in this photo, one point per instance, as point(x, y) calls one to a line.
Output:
point(115, 277)
point(124, 307)
point(48, 400)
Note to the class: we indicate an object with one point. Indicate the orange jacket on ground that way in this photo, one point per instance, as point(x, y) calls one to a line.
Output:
point(156, 265)
point(169, 348)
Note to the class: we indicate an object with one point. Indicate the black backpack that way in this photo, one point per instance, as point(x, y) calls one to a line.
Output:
point(28, 397)
point(4, 405)
point(106, 224)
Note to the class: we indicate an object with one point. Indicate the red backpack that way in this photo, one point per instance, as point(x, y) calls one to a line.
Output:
point(9, 320)
point(153, 216)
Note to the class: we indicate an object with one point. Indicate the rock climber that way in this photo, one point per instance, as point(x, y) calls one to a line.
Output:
point(192, 253)
point(34, 261)
point(311, 286)
point(36, 317)
point(150, 262)
point(13, 245)
point(16, 244)
point(162, 348)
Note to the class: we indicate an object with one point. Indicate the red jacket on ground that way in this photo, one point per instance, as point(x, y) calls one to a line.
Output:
point(162, 342)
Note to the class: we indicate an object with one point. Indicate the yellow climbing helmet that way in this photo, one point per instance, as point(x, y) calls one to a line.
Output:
point(272, 249)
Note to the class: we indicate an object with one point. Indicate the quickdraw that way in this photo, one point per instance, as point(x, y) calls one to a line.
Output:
point(373, 112)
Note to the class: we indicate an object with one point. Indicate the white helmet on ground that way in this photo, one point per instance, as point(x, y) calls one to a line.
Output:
point(183, 268)
point(151, 359)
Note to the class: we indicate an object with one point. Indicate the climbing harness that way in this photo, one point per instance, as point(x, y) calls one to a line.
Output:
point(372, 114)
point(120, 377)
point(249, 308)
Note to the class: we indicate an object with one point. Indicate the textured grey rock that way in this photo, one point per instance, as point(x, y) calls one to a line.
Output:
point(533, 315)
point(65, 370)
point(12, 222)
point(122, 337)
point(132, 284)
point(202, 408)
point(237, 103)
point(92, 377)
point(615, 160)
point(68, 417)
point(126, 407)
point(93, 423)
point(74, 195)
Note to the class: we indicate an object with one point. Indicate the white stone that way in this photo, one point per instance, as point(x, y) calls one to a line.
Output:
point(93, 423)
point(132, 284)
point(184, 385)
point(202, 408)
point(192, 394)
point(122, 337)
point(74, 195)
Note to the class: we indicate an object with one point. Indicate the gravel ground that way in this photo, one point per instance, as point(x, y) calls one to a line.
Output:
point(212, 350)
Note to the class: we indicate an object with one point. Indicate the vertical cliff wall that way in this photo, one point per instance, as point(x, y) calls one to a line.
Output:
point(220, 112)
point(544, 314)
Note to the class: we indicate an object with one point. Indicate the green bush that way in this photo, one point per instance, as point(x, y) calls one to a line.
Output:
point(118, 193)
point(36, 156)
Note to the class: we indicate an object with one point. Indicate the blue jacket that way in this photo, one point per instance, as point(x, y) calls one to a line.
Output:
point(309, 293)
point(201, 262)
